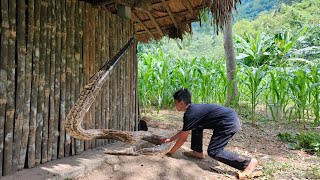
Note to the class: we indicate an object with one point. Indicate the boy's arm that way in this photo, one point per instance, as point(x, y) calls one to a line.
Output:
point(182, 137)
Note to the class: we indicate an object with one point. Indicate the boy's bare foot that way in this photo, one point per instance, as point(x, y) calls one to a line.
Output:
point(194, 154)
point(248, 172)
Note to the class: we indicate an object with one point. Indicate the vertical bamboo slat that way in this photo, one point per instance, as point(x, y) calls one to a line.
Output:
point(125, 98)
point(92, 65)
point(72, 67)
point(20, 91)
point(97, 67)
point(68, 72)
point(112, 75)
point(28, 79)
point(52, 37)
point(47, 59)
point(63, 80)
point(77, 45)
point(81, 62)
point(10, 106)
point(121, 75)
point(87, 144)
point(107, 57)
point(3, 74)
point(57, 79)
point(117, 73)
point(35, 84)
point(102, 60)
point(42, 64)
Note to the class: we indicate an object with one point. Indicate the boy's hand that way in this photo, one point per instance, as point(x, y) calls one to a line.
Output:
point(165, 140)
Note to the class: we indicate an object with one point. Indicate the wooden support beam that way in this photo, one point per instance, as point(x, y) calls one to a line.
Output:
point(178, 14)
point(154, 20)
point(143, 25)
point(164, 28)
point(170, 13)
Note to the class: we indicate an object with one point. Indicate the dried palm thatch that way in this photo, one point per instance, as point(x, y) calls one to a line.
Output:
point(156, 18)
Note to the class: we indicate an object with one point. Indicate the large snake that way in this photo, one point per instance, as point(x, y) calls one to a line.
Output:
point(86, 99)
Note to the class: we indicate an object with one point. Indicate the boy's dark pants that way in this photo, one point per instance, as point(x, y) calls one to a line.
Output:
point(216, 150)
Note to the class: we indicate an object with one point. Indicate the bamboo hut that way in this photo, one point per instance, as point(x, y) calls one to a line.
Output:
point(52, 52)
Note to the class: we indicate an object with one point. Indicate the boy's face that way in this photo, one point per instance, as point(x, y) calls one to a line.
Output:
point(180, 106)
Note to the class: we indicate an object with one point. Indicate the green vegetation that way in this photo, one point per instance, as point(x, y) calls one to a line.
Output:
point(307, 141)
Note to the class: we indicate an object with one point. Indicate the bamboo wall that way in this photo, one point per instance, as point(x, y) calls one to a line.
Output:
point(49, 51)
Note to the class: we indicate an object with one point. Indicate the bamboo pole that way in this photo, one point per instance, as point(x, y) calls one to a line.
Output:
point(3, 74)
point(87, 144)
point(96, 68)
point(28, 79)
point(47, 66)
point(121, 74)
point(113, 75)
point(92, 64)
point(41, 94)
point(107, 58)
point(57, 85)
point(77, 61)
point(35, 86)
point(10, 106)
point(72, 67)
point(130, 81)
point(102, 60)
point(81, 63)
point(20, 91)
point(69, 63)
point(126, 89)
point(63, 80)
point(52, 32)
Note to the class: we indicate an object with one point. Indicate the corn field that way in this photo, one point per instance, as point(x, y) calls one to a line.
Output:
point(288, 93)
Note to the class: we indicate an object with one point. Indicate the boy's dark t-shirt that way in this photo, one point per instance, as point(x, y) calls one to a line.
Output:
point(210, 116)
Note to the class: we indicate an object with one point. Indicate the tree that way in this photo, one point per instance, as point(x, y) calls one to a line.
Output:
point(232, 92)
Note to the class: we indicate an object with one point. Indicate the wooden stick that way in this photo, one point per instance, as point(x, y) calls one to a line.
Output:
point(97, 64)
point(102, 60)
point(107, 56)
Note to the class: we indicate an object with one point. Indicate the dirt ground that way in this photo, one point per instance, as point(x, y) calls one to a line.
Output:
point(257, 140)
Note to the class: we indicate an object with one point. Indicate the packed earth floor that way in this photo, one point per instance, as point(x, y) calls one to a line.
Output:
point(258, 140)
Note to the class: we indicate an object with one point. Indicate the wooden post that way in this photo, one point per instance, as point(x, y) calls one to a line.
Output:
point(35, 85)
point(57, 80)
point(63, 80)
point(52, 37)
point(21, 51)
point(28, 78)
point(3, 75)
point(10, 106)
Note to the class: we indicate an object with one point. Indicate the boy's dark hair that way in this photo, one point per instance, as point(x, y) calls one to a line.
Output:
point(183, 94)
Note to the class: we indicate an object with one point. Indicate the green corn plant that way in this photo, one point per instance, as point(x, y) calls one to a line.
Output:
point(278, 91)
point(298, 91)
point(314, 91)
point(253, 80)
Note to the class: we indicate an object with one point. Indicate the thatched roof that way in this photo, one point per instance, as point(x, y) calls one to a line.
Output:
point(156, 18)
